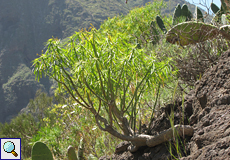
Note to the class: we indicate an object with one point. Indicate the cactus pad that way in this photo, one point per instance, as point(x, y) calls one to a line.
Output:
point(199, 15)
point(185, 12)
point(214, 8)
point(177, 14)
point(40, 151)
point(191, 32)
point(160, 23)
point(71, 153)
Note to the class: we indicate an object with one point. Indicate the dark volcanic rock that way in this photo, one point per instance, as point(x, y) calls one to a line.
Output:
point(208, 110)
point(212, 113)
point(122, 147)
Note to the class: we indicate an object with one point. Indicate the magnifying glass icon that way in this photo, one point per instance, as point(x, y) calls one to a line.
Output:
point(9, 147)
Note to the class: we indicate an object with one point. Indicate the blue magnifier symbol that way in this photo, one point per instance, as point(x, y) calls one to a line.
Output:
point(9, 147)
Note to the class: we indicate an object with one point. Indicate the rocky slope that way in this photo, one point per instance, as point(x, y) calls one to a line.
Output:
point(207, 110)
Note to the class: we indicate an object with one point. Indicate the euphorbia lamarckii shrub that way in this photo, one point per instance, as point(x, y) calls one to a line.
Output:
point(108, 76)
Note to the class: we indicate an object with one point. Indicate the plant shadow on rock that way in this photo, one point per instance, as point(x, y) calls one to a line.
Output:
point(206, 110)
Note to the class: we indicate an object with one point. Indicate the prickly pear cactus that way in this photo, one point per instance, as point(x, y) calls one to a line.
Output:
point(176, 15)
point(194, 32)
point(191, 33)
point(185, 12)
point(71, 153)
point(214, 8)
point(221, 12)
point(160, 23)
point(40, 151)
point(181, 14)
point(199, 15)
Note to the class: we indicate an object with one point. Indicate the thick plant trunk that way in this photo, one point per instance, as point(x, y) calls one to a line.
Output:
point(143, 139)
point(168, 134)
point(151, 141)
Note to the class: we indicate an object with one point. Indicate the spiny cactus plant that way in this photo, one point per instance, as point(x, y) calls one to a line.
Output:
point(214, 8)
point(181, 14)
point(41, 151)
point(176, 14)
point(199, 15)
point(191, 32)
point(220, 13)
point(194, 32)
point(185, 12)
point(161, 24)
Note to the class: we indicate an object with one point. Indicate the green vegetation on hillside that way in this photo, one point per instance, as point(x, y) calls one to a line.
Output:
point(106, 73)
point(33, 23)
point(38, 21)
point(80, 14)
point(123, 70)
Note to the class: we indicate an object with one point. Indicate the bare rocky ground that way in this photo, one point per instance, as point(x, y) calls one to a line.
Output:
point(207, 110)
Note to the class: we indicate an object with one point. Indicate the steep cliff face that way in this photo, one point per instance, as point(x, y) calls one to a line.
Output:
point(22, 33)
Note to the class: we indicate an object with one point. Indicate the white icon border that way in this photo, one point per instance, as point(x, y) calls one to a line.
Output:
point(9, 156)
